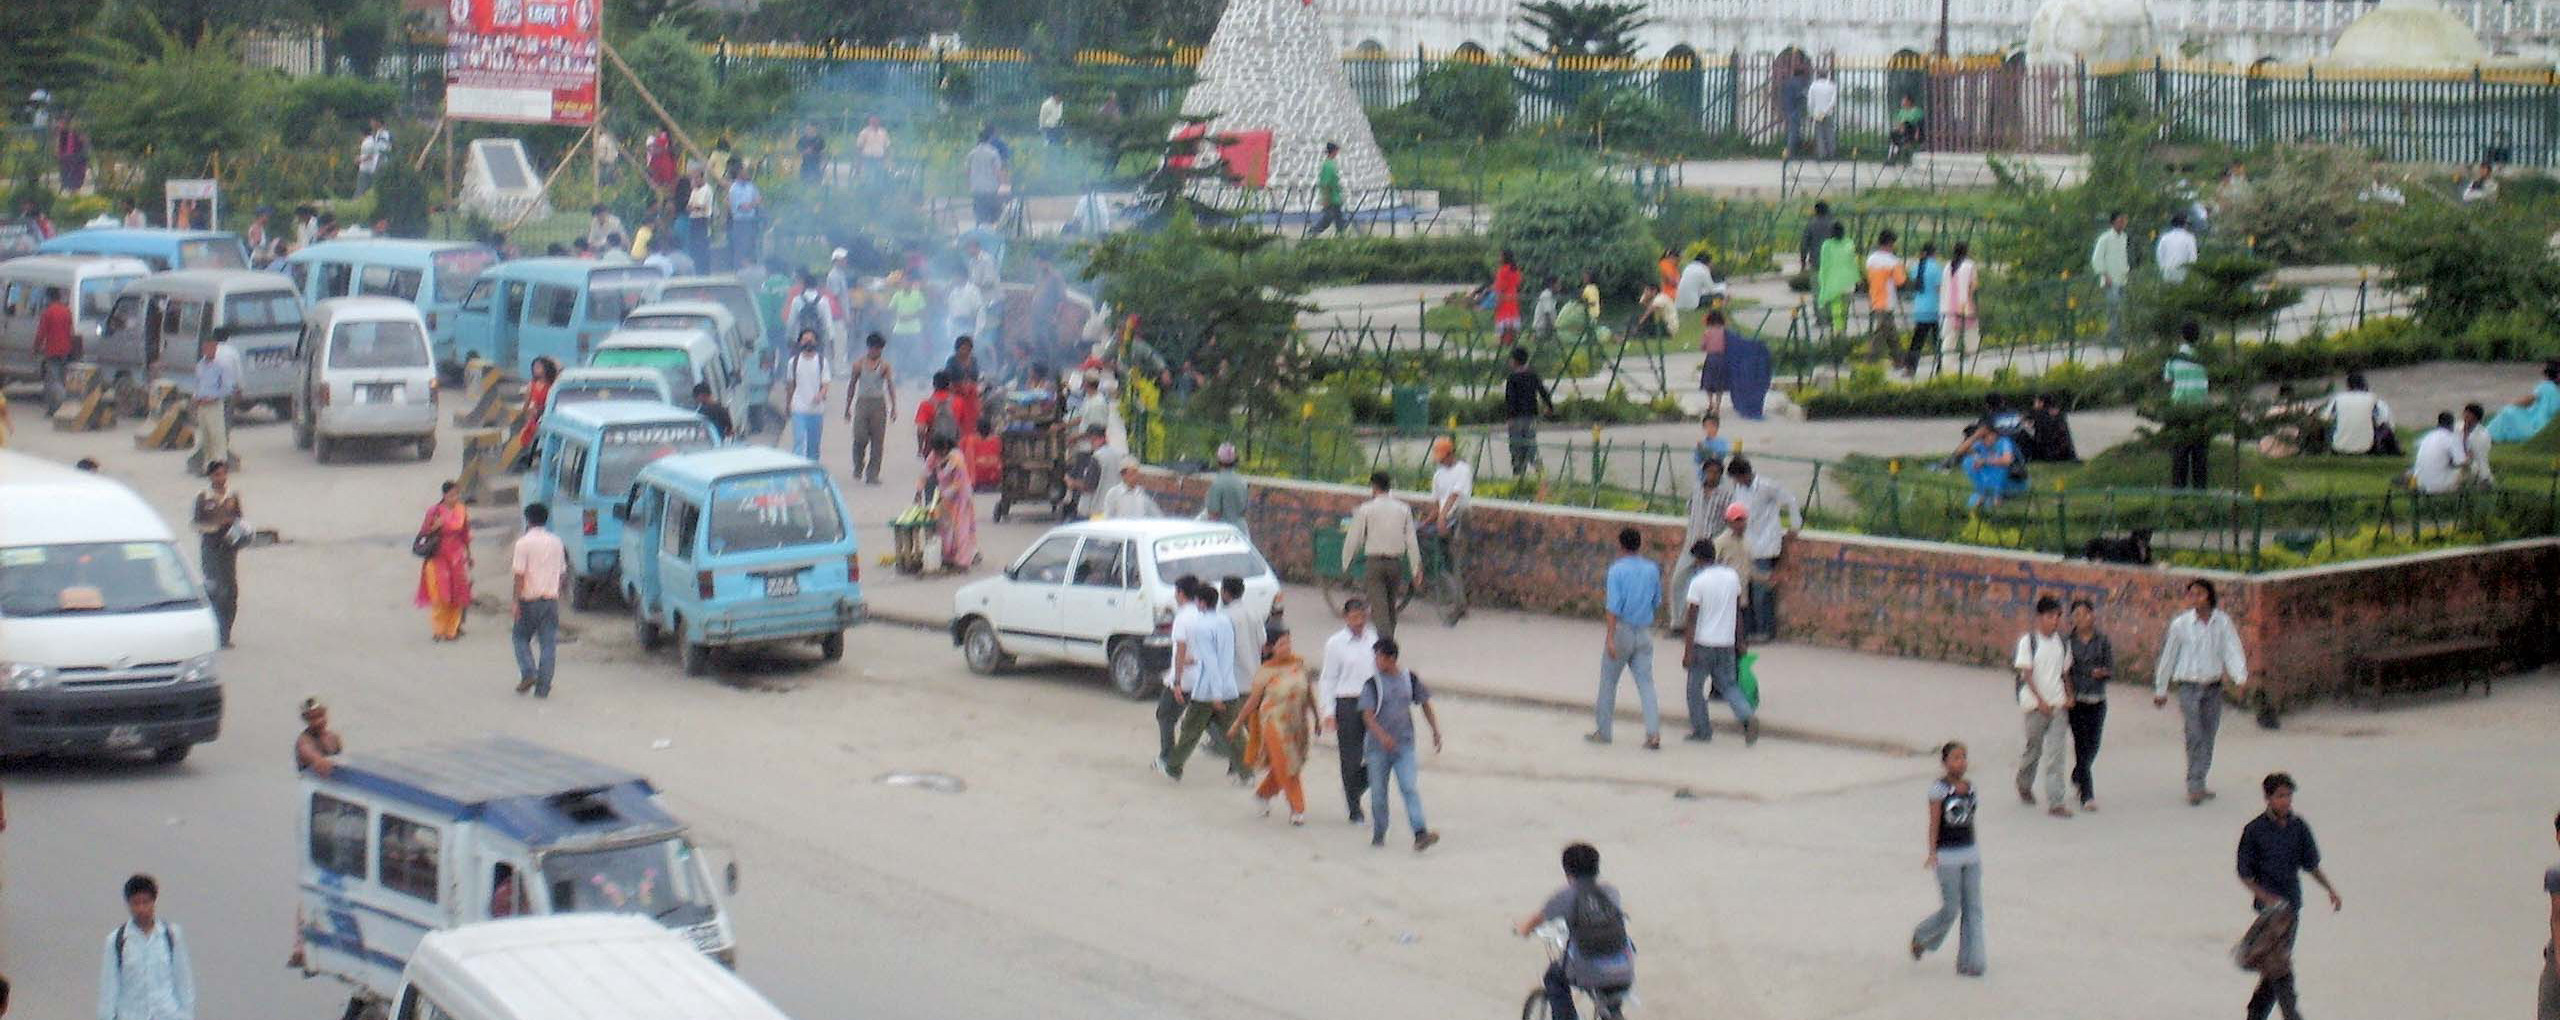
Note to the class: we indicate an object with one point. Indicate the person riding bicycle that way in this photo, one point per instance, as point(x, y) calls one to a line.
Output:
point(1598, 956)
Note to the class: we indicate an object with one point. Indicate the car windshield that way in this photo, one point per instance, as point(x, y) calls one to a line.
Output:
point(93, 577)
point(670, 321)
point(661, 880)
point(669, 362)
point(1207, 563)
point(628, 448)
point(590, 392)
point(458, 268)
point(771, 511)
point(735, 299)
point(613, 293)
point(264, 312)
point(98, 294)
point(213, 253)
point(387, 344)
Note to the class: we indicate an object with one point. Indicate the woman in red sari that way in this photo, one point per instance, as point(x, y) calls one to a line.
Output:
point(444, 580)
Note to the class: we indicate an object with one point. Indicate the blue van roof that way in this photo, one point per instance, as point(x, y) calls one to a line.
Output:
point(527, 791)
point(706, 466)
point(137, 235)
point(370, 245)
point(624, 412)
point(556, 268)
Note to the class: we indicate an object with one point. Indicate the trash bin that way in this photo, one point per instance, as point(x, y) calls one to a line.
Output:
point(1412, 407)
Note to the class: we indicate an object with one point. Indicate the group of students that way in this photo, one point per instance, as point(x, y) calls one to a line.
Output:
point(1940, 291)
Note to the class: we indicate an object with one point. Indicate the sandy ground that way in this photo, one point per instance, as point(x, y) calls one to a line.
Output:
point(1070, 881)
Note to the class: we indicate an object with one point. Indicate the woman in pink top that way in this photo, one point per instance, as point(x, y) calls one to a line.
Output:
point(1956, 304)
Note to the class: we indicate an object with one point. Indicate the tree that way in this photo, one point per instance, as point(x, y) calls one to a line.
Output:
point(862, 22)
point(37, 43)
point(1199, 299)
point(675, 71)
point(1466, 100)
point(1575, 224)
point(1581, 29)
point(2056, 226)
point(178, 103)
point(2303, 209)
point(2460, 263)
point(2224, 294)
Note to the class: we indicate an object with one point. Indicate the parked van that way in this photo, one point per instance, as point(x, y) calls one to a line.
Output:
point(367, 373)
point(570, 968)
point(735, 336)
point(586, 385)
point(547, 307)
point(402, 843)
point(589, 456)
point(163, 248)
point(736, 546)
point(156, 323)
point(728, 292)
point(89, 283)
point(434, 275)
point(684, 356)
point(108, 642)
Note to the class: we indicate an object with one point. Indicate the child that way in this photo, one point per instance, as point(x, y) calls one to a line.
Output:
point(1958, 863)
point(1710, 446)
point(986, 457)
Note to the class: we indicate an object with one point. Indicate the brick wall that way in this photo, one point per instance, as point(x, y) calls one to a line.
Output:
point(1962, 604)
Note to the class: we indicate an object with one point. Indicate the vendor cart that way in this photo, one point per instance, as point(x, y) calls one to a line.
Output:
point(1033, 453)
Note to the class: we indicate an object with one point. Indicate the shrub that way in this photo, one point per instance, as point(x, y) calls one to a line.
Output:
point(1346, 260)
point(332, 109)
point(2302, 209)
point(1625, 117)
point(1464, 100)
point(1575, 225)
point(2460, 263)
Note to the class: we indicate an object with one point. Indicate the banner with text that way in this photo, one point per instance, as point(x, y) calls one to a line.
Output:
point(523, 61)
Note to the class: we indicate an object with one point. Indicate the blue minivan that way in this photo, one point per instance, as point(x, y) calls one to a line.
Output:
point(737, 546)
point(589, 455)
point(548, 307)
point(433, 275)
point(164, 249)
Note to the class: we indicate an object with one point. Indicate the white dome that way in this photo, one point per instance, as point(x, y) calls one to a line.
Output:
point(2414, 34)
point(2096, 31)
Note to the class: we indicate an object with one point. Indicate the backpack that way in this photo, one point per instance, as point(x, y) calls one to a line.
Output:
point(946, 425)
point(811, 315)
point(168, 933)
point(1598, 928)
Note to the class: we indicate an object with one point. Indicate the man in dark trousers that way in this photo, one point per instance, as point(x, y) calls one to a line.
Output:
point(217, 508)
point(2275, 849)
point(1524, 398)
point(1816, 230)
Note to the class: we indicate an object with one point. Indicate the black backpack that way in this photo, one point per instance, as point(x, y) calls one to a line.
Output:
point(946, 423)
point(1597, 926)
point(166, 932)
point(810, 316)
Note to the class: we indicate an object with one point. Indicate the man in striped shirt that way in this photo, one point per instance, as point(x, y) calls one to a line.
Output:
point(2200, 654)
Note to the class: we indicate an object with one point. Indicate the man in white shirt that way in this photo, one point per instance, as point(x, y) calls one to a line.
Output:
point(1186, 610)
point(1453, 489)
point(1764, 502)
point(1204, 681)
point(2198, 655)
point(2042, 657)
point(145, 972)
point(1349, 662)
point(1698, 283)
point(1821, 101)
point(1711, 646)
point(2475, 449)
point(1252, 619)
point(807, 395)
point(2175, 251)
point(1053, 119)
point(2441, 458)
point(2354, 413)
point(1128, 500)
point(964, 311)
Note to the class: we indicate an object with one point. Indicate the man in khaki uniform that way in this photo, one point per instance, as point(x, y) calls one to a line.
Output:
point(1381, 542)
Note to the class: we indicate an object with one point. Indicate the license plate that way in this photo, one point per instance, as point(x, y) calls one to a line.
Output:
point(781, 585)
point(706, 937)
point(124, 738)
point(377, 393)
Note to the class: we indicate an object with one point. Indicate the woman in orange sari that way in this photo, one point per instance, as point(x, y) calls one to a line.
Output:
point(444, 580)
point(1273, 728)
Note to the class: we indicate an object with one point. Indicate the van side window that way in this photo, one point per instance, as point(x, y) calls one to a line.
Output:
point(569, 472)
point(676, 539)
point(554, 306)
point(414, 1005)
point(10, 300)
point(1047, 563)
point(335, 278)
point(300, 273)
point(409, 856)
point(478, 299)
point(337, 835)
point(1103, 563)
point(388, 282)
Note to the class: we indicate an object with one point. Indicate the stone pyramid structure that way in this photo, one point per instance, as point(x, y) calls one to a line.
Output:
point(1271, 65)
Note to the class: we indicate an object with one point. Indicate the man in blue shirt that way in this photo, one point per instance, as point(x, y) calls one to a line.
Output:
point(1634, 590)
point(1204, 681)
point(1387, 701)
point(746, 215)
point(216, 383)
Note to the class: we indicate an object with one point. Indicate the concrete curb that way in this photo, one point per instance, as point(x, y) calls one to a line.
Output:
point(1849, 741)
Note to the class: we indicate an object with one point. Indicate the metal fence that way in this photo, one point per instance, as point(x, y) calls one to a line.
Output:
point(1909, 498)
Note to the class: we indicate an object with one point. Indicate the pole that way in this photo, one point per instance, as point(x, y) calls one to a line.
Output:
point(551, 178)
point(1942, 29)
point(673, 128)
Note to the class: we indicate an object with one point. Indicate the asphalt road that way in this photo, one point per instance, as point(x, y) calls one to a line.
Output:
point(1067, 880)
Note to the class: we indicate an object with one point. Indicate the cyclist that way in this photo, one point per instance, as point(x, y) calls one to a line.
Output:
point(1598, 957)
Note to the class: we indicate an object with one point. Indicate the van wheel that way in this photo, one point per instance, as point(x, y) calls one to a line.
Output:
point(427, 446)
point(1129, 670)
point(979, 646)
point(582, 595)
point(301, 433)
point(831, 647)
point(283, 408)
point(645, 629)
point(321, 448)
point(171, 754)
point(697, 658)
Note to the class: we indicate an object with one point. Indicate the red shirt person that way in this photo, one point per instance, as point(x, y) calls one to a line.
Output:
point(54, 335)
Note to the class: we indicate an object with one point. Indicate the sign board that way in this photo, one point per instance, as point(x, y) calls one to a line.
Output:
point(498, 181)
point(523, 61)
point(191, 203)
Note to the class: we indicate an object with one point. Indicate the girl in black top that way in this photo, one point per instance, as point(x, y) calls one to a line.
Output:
point(1959, 866)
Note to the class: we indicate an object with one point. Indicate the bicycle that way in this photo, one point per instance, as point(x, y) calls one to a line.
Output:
point(1446, 585)
point(1599, 1003)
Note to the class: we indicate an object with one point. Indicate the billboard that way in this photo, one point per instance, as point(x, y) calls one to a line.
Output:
point(523, 61)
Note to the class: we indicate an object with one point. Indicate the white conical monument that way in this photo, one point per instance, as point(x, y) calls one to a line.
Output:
point(1272, 66)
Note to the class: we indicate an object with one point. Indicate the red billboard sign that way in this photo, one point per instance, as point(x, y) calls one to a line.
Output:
point(523, 61)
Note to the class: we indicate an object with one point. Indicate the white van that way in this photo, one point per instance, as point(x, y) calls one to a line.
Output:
point(579, 967)
point(106, 641)
point(157, 322)
point(89, 283)
point(368, 372)
point(685, 356)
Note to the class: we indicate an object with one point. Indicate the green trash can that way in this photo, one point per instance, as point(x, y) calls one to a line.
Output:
point(1412, 406)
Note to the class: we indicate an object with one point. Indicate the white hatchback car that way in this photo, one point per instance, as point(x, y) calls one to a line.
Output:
point(1101, 593)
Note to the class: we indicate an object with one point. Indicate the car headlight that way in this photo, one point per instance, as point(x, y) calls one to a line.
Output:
point(26, 676)
point(197, 670)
